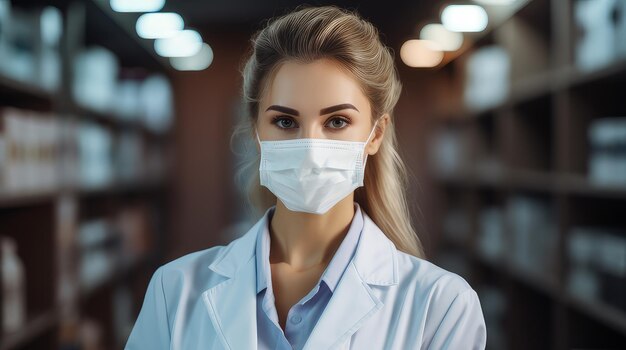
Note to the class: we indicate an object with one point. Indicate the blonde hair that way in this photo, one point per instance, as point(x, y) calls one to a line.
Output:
point(309, 33)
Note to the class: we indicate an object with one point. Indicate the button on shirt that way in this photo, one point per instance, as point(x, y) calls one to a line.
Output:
point(302, 316)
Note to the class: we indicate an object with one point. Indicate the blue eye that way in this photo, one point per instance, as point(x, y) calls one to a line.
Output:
point(283, 122)
point(338, 123)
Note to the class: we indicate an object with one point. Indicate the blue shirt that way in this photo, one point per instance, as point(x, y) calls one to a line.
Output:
point(302, 316)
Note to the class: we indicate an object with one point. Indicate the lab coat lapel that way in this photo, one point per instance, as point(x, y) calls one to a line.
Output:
point(231, 304)
point(353, 301)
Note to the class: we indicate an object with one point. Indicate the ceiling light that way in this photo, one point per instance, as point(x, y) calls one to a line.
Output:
point(159, 25)
point(185, 43)
point(137, 5)
point(421, 53)
point(447, 40)
point(199, 61)
point(464, 18)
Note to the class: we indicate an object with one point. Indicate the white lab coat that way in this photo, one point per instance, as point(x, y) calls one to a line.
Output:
point(386, 299)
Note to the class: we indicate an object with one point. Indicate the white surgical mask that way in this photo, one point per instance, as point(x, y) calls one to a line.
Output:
point(311, 175)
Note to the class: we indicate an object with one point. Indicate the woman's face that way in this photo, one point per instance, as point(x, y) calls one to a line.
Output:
point(314, 100)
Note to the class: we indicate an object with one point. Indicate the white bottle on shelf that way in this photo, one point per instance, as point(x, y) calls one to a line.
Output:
point(13, 287)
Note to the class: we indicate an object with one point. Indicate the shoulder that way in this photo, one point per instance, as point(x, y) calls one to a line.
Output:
point(451, 313)
point(190, 271)
point(430, 282)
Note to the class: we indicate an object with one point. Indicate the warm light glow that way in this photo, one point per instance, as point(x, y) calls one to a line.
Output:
point(137, 5)
point(199, 61)
point(447, 40)
point(464, 18)
point(185, 43)
point(421, 53)
point(159, 25)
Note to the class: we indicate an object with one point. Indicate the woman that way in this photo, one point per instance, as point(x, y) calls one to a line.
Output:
point(334, 262)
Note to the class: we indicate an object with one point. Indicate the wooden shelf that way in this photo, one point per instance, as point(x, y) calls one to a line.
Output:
point(18, 199)
point(33, 328)
point(580, 185)
point(573, 76)
point(540, 181)
point(119, 188)
point(22, 199)
point(539, 136)
point(24, 94)
point(598, 310)
point(44, 223)
point(602, 312)
point(115, 122)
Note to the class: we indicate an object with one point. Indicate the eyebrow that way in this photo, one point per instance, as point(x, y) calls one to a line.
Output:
point(322, 111)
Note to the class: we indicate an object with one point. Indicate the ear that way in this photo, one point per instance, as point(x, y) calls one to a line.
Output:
point(372, 147)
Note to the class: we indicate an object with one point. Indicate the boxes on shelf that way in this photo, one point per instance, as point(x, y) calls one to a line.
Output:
point(607, 156)
point(108, 245)
point(129, 156)
point(487, 75)
point(127, 104)
point(602, 24)
point(491, 240)
point(598, 264)
point(13, 287)
point(98, 246)
point(5, 14)
point(95, 74)
point(449, 151)
point(531, 222)
point(29, 150)
point(96, 86)
point(29, 44)
point(95, 156)
point(106, 157)
point(157, 106)
point(51, 32)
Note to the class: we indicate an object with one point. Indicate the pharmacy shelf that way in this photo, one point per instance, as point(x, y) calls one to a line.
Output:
point(537, 138)
point(114, 121)
point(598, 310)
point(45, 223)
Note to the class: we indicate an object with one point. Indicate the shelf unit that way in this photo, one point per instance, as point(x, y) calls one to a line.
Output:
point(39, 220)
point(537, 139)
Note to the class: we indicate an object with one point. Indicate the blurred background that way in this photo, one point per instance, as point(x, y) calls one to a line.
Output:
point(115, 123)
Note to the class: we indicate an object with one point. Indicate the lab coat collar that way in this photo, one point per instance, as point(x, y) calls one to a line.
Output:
point(231, 304)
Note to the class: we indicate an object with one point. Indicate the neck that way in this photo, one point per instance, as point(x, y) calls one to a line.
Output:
point(305, 240)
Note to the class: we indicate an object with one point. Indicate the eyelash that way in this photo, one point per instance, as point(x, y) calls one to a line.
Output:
point(278, 118)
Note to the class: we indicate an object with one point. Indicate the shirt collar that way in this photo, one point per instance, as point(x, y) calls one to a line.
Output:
point(335, 268)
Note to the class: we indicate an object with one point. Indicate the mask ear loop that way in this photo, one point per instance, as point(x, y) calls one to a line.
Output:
point(256, 131)
point(367, 141)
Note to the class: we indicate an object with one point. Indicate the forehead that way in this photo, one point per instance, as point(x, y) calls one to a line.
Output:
point(312, 86)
